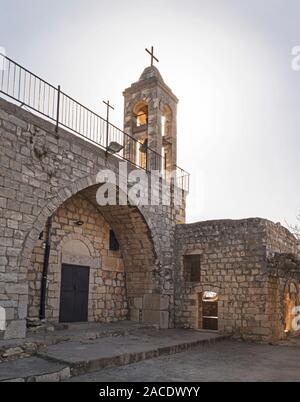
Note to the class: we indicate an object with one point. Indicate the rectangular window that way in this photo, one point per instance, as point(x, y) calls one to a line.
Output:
point(113, 242)
point(192, 268)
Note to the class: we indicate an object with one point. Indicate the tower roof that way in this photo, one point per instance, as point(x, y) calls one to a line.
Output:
point(149, 78)
point(151, 72)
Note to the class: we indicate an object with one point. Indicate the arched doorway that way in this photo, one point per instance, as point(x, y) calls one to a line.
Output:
point(208, 310)
point(291, 300)
point(76, 263)
point(116, 279)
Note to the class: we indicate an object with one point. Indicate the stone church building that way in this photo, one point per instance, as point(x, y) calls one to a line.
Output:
point(65, 258)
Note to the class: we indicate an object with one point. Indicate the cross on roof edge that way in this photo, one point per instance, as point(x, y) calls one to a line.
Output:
point(108, 105)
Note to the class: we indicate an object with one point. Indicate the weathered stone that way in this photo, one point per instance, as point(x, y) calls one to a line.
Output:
point(13, 352)
point(29, 348)
point(15, 330)
point(43, 175)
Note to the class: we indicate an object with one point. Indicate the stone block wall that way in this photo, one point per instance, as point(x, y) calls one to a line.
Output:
point(232, 261)
point(86, 245)
point(278, 239)
point(40, 169)
point(281, 248)
point(234, 265)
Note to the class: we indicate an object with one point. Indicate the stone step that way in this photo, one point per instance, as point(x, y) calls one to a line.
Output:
point(88, 356)
point(40, 340)
point(33, 369)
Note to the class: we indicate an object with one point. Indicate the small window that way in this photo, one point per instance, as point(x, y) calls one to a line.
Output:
point(113, 242)
point(192, 268)
point(140, 113)
point(142, 117)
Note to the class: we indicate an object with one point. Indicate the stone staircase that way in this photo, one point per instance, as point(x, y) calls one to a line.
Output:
point(61, 357)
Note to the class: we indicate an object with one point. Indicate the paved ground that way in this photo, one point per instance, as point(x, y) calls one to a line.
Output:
point(76, 332)
point(226, 361)
point(110, 347)
point(28, 368)
point(91, 354)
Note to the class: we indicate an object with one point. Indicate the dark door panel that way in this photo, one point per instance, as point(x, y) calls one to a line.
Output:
point(210, 315)
point(210, 323)
point(74, 293)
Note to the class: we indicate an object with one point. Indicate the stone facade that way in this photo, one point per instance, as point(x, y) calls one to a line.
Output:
point(86, 245)
point(283, 267)
point(234, 264)
point(249, 268)
point(40, 171)
point(151, 100)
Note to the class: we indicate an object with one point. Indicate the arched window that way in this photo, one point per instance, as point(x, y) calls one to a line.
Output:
point(166, 121)
point(166, 131)
point(141, 114)
point(140, 132)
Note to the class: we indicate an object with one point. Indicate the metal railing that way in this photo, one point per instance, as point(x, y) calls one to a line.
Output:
point(182, 179)
point(29, 90)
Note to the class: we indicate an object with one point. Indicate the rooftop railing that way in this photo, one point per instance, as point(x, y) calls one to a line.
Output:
point(29, 90)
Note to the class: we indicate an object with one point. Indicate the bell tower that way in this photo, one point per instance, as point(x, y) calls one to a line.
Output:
point(150, 110)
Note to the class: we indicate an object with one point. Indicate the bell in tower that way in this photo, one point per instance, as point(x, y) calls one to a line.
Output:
point(150, 118)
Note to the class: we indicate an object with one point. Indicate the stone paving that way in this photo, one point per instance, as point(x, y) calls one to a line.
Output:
point(84, 354)
point(38, 339)
point(87, 356)
point(33, 369)
point(226, 361)
point(127, 352)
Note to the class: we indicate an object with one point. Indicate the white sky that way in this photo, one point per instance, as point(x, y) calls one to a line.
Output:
point(228, 61)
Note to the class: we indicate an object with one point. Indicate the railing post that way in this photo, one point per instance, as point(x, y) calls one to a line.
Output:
point(107, 130)
point(58, 108)
point(148, 168)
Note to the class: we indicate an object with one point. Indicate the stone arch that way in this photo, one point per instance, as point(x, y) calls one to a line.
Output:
point(130, 224)
point(167, 115)
point(81, 253)
point(140, 112)
point(196, 300)
point(168, 139)
point(140, 120)
point(63, 195)
point(136, 243)
point(92, 259)
point(291, 299)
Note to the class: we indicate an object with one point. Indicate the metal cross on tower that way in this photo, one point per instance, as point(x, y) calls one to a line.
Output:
point(152, 55)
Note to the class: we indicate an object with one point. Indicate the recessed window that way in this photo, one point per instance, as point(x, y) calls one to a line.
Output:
point(113, 242)
point(142, 116)
point(192, 268)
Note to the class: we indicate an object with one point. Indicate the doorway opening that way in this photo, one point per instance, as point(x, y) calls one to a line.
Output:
point(208, 311)
point(290, 302)
point(74, 293)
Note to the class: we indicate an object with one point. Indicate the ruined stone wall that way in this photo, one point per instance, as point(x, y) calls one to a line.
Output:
point(232, 265)
point(278, 239)
point(107, 288)
point(281, 245)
